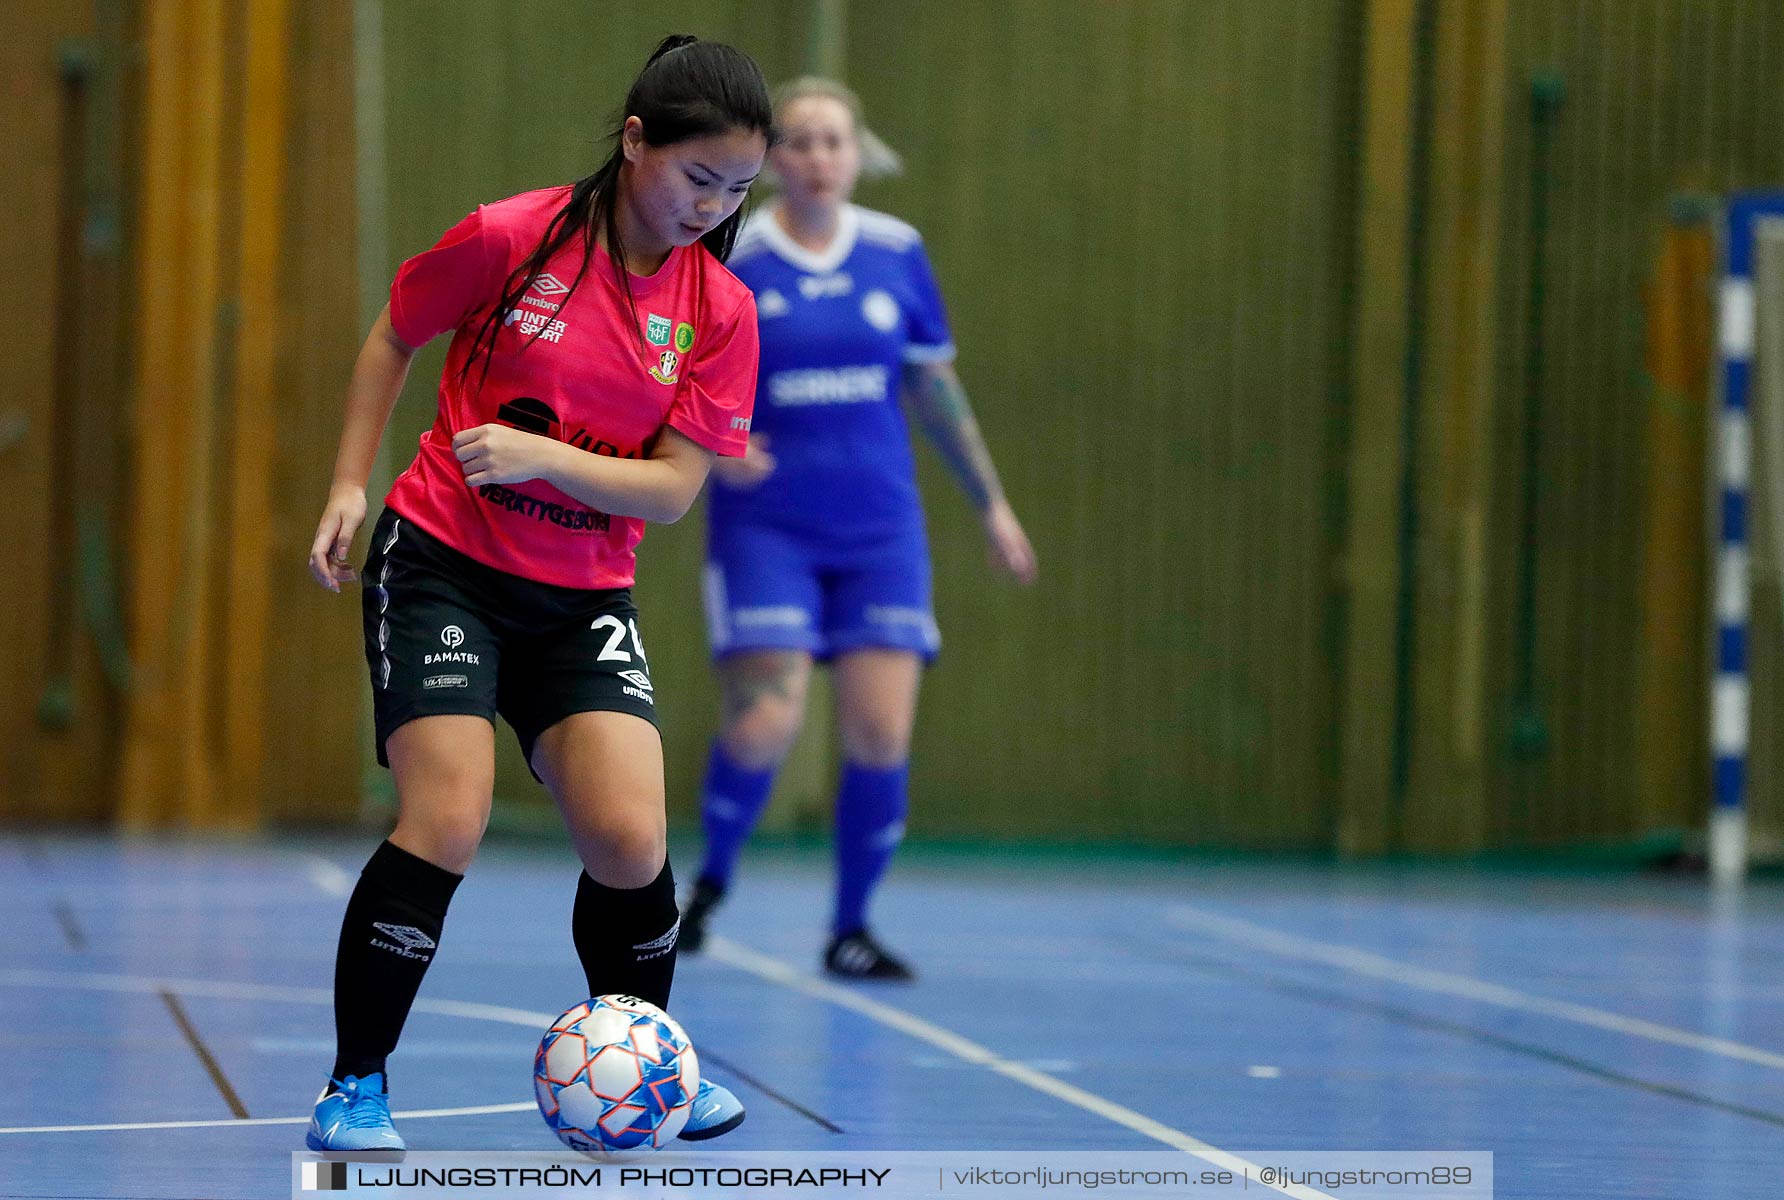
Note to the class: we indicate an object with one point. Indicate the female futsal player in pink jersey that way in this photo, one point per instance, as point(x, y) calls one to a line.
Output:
point(601, 356)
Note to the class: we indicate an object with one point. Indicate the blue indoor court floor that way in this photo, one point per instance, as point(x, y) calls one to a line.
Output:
point(165, 1019)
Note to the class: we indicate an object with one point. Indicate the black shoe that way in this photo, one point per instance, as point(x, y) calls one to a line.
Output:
point(704, 898)
point(858, 956)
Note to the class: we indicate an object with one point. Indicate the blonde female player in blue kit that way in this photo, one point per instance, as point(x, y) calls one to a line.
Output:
point(601, 357)
point(816, 543)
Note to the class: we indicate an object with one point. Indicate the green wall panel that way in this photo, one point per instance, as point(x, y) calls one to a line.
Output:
point(1662, 97)
point(1140, 215)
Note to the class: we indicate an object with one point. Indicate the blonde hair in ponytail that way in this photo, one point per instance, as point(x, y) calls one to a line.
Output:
point(878, 160)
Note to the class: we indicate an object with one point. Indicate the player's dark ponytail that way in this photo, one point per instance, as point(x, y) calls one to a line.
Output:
point(687, 89)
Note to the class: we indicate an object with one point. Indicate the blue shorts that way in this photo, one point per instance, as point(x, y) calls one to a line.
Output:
point(768, 589)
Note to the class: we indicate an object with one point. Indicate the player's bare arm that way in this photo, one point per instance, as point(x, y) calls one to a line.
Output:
point(377, 381)
point(659, 489)
point(939, 401)
point(934, 393)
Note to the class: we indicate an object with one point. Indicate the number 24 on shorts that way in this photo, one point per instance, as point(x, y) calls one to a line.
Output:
point(611, 651)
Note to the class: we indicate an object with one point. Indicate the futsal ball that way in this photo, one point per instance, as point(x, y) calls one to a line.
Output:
point(615, 1073)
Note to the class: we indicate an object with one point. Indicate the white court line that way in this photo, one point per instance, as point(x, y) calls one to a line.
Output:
point(328, 878)
point(775, 971)
point(1363, 962)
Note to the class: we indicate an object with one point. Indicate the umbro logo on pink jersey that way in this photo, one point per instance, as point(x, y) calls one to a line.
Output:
point(550, 285)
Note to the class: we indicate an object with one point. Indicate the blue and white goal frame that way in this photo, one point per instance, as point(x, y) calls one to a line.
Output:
point(1730, 691)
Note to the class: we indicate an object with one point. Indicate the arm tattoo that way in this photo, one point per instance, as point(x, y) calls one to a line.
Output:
point(947, 418)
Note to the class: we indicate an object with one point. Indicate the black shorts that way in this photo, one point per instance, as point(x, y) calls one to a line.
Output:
point(446, 634)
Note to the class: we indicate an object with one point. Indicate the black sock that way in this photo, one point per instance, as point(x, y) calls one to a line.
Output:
point(625, 937)
point(388, 937)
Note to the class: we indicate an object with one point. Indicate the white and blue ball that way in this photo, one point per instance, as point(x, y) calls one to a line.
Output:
point(615, 1073)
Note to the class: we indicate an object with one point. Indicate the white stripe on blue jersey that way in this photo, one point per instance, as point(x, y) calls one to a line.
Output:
point(887, 230)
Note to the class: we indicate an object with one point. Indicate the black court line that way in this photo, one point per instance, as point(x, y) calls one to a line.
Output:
point(705, 1055)
point(32, 851)
point(71, 929)
point(204, 1055)
point(1406, 1016)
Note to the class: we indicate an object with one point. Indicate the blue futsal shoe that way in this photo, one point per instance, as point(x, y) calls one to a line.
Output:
point(355, 1117)
point(715, 1111)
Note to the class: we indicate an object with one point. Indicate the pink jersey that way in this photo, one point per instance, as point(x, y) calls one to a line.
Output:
point(591, 377)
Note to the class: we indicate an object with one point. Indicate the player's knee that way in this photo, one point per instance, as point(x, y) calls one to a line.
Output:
point(624, 852)
point(764, 706)
point(760, 736)
point(876, 741)
point(446, 835)
point(443, 795)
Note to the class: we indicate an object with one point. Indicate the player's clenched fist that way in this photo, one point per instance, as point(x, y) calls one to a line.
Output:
point(498, 454)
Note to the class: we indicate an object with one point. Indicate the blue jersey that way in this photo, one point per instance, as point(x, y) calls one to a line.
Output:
point(837, 329)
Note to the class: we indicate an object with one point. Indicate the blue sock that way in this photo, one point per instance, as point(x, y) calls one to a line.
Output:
point(730, 802)
point(870, 808)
